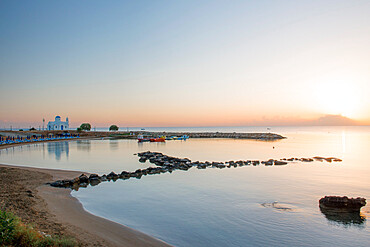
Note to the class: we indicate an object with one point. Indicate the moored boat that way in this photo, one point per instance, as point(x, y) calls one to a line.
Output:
point(184, 137)
point(141, 138)
point(160, 139)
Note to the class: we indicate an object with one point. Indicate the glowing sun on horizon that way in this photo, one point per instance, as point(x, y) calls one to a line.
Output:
point(337, 97)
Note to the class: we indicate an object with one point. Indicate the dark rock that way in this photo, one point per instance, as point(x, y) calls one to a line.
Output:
point(56, 184)
point(93, 176)
point(240, 163)
point(280, 163)
point(137, 173)
point(62, 183)
point(76, 181)
point(112, 175)
point(306, 159)
point(75, 187)
point(319, 158)
point(152, 170)
point(142, 160)
point(255, 162)
point(183, 166)
point(201, 166)
point(144, 153)
point(124, 175)
point(342, 203)
point(84, 185)
point(270, 162)
point(83, 178)
point(94, 181)
point(185, 160)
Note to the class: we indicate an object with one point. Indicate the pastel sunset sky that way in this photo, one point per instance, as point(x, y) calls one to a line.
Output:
point(185, 63)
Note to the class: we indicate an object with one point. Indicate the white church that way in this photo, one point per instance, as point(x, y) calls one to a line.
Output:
point(58, 124)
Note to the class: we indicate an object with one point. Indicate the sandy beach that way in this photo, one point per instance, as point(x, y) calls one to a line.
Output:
point(54, 211)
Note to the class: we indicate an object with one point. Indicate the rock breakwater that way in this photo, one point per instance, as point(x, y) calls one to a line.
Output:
point(234, 135)
point(168, 164)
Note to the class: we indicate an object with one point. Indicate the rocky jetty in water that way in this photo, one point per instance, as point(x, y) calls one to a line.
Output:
point(234, 135)
point(164, 164)
point(255, 136)
point(342, 203)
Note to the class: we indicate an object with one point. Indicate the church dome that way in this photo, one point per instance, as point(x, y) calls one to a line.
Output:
point(57, 118)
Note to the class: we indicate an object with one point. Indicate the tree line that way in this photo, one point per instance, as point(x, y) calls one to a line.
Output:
point(87, 127)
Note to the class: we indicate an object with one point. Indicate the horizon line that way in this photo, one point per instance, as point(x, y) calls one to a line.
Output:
point(214, 126)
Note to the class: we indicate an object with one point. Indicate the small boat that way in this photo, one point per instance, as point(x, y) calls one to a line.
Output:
point(184, 137)
point(141, 138)
point(160, 139)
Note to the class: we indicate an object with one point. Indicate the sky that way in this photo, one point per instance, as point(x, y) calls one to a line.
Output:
point(185, 63)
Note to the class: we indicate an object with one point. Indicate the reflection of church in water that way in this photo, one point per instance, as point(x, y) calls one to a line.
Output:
point(59, 149)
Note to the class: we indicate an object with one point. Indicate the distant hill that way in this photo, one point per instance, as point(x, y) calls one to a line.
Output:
point(334, 120)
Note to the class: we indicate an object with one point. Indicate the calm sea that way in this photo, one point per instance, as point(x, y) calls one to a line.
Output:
point(244, 206)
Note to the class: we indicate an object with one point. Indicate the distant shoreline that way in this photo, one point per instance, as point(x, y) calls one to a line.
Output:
point(133, 135)
point(83, 136)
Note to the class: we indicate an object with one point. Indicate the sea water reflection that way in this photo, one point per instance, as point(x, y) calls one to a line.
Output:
point(346, 219)
point(83, 145)
point(58, 149)
point(216, 207)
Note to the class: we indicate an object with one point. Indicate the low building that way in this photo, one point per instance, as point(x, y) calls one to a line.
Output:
point(58, 124)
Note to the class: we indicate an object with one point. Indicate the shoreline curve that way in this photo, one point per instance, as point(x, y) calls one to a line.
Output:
point(88, 229)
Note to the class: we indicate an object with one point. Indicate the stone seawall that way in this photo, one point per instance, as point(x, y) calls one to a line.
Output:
point(252, 136)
